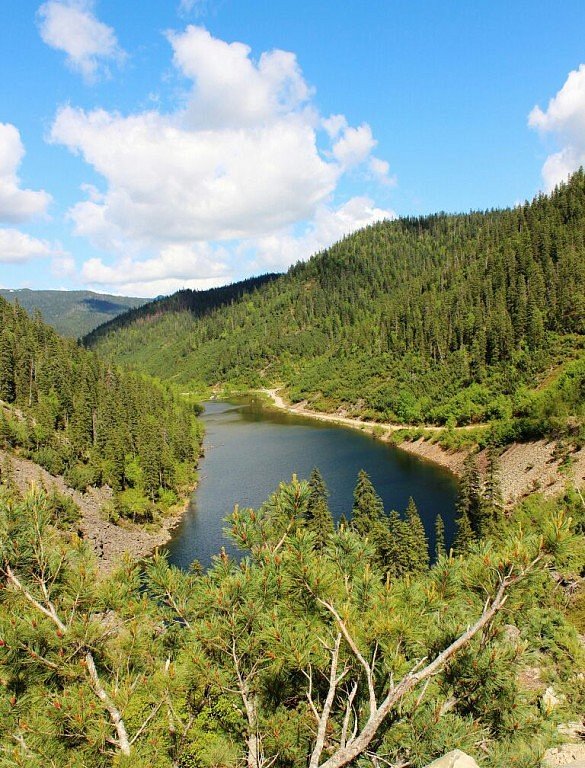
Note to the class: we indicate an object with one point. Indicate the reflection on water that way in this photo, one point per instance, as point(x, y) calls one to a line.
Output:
point(250, 450)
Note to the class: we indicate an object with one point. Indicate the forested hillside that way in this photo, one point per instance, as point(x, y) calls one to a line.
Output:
point(72, 313)
point(91, 422)
point(434, 319)
point(197, 303)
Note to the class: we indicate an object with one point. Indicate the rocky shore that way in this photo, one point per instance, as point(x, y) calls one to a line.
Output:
point(110, 541)
point(524, 467)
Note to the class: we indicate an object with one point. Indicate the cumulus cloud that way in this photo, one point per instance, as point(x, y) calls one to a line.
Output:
point(176, 266)
point(16, 247)
point(16, 204)
point(353, 146)
point(244, 158)
point(72, 27)
point(230, 89)
point(564, 118)
point(279, 250)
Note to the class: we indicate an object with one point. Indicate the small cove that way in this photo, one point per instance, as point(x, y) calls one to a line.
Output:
point(250, 449)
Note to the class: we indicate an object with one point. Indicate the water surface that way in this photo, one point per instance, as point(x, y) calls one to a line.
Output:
point(249, 450)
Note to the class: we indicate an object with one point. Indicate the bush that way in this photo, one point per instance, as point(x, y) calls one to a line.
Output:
point(50, 459)
point(83, 476)
point(131, 504)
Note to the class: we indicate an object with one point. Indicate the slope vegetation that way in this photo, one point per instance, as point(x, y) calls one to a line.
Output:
point(87, 420)
point(72, 313)
point(444, 319)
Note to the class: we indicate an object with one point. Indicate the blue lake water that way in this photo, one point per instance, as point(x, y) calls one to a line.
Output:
point(249, 450)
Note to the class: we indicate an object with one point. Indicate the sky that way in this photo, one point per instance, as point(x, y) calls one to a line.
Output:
point(164, 144)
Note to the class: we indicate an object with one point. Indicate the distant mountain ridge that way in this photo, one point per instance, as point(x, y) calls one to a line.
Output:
point(72, 313)
point(197, 303)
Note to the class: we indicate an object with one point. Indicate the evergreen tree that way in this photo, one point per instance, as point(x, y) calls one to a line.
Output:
point(416, 542)
point(469, 502)
point(318, 516)
point(393, 547)
point(370, 522)
point(440, 548)
point(7, 377)
point(368, 508)
point(464, 536)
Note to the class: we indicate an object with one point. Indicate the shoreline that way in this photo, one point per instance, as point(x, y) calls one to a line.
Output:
point(525, 468)
point(110, 542)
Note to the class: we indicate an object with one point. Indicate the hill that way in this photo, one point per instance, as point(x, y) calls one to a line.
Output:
point(444, 319)
point(72, 313)
point(196, 303)
point(91, 422)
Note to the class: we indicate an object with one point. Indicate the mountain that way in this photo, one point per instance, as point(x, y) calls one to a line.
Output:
point(444, 318)
point(196, 303)
point(72, 313)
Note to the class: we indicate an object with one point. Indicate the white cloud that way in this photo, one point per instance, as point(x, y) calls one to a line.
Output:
point(334, 124)
point(240, 160)
point(71, 26)
point(354, 146)
point(176, 266)
point(380, 170)
point(564, 118)
point(167, 183)
point(232, 91)
point(16, 247)
point(16, 204)
point(280, 250)
point(63, 265)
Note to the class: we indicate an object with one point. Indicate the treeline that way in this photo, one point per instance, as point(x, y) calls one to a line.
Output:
point(197, 303)
point(91, 422)
point(308, 652)
point(445, 318)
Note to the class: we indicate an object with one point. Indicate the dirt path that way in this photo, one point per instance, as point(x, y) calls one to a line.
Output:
point(336, 418)
point(524, 467)
point(110, 542)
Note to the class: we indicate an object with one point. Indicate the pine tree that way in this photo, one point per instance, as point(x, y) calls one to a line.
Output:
point(393, 546)
point(469, 502)
point(416, 542)
point(464, 537)
point(440, 548)
point(368, 508)
point(7, 378)
point(318, 516)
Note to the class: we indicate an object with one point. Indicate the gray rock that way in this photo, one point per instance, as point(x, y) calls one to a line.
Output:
point(454, 759)
point(550, 700)
point(565, 756)
point(512, 634)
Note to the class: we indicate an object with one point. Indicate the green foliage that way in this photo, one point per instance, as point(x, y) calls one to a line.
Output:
point(206, 669)
point(446, 319)
point(318, 516)
point(71, 313)
point(91, 422)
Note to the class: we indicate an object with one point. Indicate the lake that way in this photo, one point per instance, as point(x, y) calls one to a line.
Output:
point(249, 450)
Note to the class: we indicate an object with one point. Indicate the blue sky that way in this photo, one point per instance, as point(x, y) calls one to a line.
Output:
point(148, 146)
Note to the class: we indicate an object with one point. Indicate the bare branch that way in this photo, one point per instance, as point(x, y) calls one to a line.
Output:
point(324, 718)
point(345, 754)
point(348, 710)
point(368, 669)
point(115, 715)
point(146, 722)
point(48, 610)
